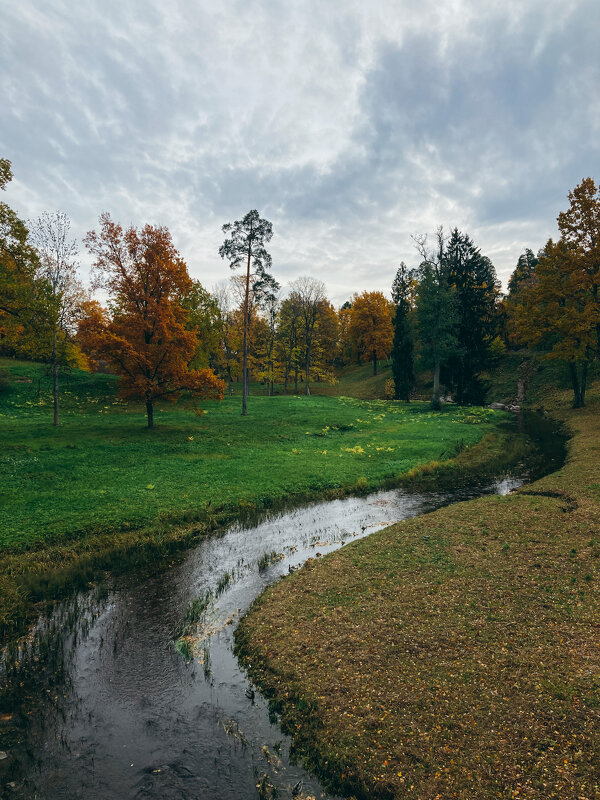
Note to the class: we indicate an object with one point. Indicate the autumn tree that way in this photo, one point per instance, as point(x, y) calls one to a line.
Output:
point(579, 227)
point(371, 325)
point(204, 317)
point(57, 252)
point(560, 306)
point(26, 303)
point(266, 343)
point(344, 345)
point(325, 343)
point(559, 309)
point(402, 349)
point(245, 246)
point(310, 294)
point(523, 272)
point(230, 343)
point(145, 336)
point(288, 337)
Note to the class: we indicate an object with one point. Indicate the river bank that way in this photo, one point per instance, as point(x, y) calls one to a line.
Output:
point(101, 492)
point(452, 655)
point(131, 689)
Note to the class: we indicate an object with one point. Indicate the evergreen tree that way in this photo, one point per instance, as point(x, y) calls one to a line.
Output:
point(474, 281)
point(436, 312)
point(523, 272)
point(402, 348)
point(245, 247)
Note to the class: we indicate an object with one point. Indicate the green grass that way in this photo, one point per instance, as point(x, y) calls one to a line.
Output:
point(102, 470)
point(454, 655)
point(358, 381)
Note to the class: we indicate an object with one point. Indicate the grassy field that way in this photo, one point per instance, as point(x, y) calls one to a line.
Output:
point(103, 469)
point(455, 655)
point(102, 487)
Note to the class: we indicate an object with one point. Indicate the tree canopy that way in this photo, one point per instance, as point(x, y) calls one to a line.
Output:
point(371, 325)
point(145, 335)
point(246, 245)
point(560, 304)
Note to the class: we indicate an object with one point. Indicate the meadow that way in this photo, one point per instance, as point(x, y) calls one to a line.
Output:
point(102, 470)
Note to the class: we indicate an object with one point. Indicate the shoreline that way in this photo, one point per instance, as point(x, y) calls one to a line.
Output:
point(32, 577)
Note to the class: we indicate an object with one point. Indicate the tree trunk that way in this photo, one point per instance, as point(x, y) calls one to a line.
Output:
point(55, 379)
point(578, 386)
point(150, 413)
point(435, 400)
point(245, 359)
point(307, 368)
point(296, 380)
point(374, 362)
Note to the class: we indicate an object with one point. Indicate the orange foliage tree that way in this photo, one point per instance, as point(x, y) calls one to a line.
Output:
point(559, 310)
point(559, 307)
point(580, 228)
point(145, 336)
point(370, 326)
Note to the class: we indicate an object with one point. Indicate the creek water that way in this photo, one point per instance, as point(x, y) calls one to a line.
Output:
point(124, 714)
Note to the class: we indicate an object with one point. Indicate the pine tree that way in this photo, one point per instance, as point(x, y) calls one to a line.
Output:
point(473, 278)
point(402, 348)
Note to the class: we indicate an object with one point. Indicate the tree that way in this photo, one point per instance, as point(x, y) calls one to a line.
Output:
point(247, 245)
point(344, 347)
point(559, 309)
point(560, 306)
point(473, 278)
point(436, 311)
point(25, 302)
point(145, 337)
point(57, 253)
point(523, 272)
point(229, 341)
point(287, 339)
point(310, 295)
point(266, 343)
point(402, 348)
point(204, 317)
point(579, 226)
point(325, 344)
point(371, 325)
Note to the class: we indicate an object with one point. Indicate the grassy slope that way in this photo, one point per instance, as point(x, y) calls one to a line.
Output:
point(455, 655)
point(101, 486)
point(356, 381)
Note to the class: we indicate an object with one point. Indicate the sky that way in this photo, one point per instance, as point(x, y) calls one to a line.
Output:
point(352, 126)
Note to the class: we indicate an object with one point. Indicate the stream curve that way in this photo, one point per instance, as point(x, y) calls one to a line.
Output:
point(123, 709)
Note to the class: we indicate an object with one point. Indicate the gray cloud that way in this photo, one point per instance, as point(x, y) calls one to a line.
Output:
point(350, 125)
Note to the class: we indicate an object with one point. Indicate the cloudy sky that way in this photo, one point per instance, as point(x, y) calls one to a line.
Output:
point(349, 124)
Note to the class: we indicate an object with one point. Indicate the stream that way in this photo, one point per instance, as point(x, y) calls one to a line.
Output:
point(121, 711)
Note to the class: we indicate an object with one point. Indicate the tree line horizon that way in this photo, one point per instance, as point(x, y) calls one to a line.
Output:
point(165, 335)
